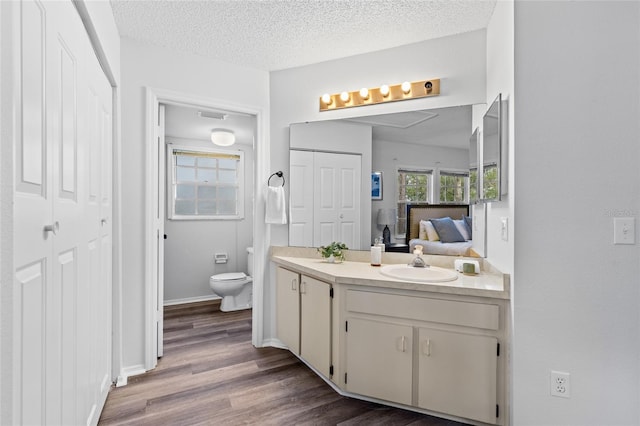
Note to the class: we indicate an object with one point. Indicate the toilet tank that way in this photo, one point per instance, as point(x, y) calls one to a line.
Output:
point(250, 261)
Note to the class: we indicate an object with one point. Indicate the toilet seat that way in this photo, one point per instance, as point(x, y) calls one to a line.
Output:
point(229, 276)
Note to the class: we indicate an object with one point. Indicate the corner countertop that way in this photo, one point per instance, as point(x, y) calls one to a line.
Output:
point(488, 283)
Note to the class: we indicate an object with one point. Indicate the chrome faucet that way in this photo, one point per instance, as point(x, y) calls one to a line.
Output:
point(417, 262)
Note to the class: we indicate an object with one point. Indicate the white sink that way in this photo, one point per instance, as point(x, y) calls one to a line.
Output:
point(431, 274)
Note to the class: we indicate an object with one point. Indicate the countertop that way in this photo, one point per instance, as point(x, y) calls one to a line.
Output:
point(485, 284)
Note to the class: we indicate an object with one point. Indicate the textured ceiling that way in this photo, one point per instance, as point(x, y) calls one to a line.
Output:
point(279, 34)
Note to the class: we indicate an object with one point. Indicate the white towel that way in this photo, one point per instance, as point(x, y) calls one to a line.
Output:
point(276, 212)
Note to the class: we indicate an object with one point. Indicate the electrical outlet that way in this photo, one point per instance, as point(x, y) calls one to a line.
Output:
point(560, 384)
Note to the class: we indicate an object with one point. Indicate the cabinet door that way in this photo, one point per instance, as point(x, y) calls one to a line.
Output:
point(288, 309)
point(457, 374)
point(379, 360)
point(315, 323)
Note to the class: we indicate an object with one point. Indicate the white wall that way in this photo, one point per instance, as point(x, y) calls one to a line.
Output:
point(577, 298)
point(191, 244)
point(389, 156)
point(148, 66)
point(500, 80)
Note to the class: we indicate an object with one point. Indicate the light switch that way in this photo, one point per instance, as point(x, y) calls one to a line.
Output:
point(504, 228)
point(624, 230)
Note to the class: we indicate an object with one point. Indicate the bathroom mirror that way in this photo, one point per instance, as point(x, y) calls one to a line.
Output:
point(473, 166)
point(433, 139)
point(491, 152)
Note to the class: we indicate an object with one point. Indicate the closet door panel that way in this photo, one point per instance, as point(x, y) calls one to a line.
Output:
point(301, 198)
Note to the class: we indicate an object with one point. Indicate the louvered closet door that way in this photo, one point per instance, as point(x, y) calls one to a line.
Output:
point(63, 298)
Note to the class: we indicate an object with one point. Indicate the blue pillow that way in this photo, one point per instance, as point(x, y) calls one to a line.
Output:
point(467, 220)
point(447, 230)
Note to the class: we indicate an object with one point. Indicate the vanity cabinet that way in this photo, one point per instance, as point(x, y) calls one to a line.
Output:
point(433, 353)
point(303, 317)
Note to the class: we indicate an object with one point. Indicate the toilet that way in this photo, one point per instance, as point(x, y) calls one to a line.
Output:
point(235, 288)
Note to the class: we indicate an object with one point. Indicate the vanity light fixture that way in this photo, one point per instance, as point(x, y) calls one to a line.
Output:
point(385, 93)
point(223, 137)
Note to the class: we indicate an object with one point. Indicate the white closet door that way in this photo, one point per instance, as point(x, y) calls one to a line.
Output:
point(63, 298)
point(301, 198)
point(336, 199)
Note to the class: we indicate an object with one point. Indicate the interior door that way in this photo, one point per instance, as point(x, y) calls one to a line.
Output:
point(337, 199)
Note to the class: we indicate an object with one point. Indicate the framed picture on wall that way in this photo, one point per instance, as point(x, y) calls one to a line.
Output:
point(376, 186)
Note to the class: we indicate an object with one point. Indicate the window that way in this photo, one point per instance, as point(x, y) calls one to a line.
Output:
point(490, 182)
point(453, 187)
point(205, 184)
point(414, 187)
point(473, 185)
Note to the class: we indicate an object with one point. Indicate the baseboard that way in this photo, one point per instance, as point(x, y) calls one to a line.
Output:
point(274, 343)
point(191, 300)
point(127, 372)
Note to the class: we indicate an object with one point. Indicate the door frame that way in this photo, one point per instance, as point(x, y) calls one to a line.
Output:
point(261, 232)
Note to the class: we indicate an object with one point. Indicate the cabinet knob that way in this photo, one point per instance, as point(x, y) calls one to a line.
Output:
point(294, 287)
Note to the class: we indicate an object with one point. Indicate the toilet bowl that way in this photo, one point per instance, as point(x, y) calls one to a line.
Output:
point(235, 288)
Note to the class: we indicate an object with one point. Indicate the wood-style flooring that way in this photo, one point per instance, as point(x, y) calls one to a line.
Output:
point(210, 374)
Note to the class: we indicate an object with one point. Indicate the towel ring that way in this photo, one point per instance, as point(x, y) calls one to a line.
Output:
point(279, 174)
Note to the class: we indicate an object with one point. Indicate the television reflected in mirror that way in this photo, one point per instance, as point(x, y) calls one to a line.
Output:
point(491, 152)
point(473, 167)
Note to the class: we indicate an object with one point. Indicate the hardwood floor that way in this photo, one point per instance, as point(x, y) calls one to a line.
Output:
point(211, 375)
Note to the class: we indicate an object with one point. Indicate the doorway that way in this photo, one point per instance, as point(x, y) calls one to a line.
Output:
point(155, 211)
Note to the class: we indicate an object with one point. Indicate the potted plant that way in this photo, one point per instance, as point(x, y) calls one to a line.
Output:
point(334, 252)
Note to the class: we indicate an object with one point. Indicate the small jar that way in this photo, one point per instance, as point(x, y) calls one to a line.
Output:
point(376, 256)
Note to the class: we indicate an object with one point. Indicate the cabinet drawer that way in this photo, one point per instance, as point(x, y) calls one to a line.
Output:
point(467, 314)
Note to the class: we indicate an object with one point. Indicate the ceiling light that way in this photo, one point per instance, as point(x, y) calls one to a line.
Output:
point(223, 137)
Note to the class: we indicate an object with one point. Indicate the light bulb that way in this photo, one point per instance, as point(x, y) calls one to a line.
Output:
point(406, 87)
point(384, 90)
point(326, 98)
point(344, 96)
point(364, 93)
